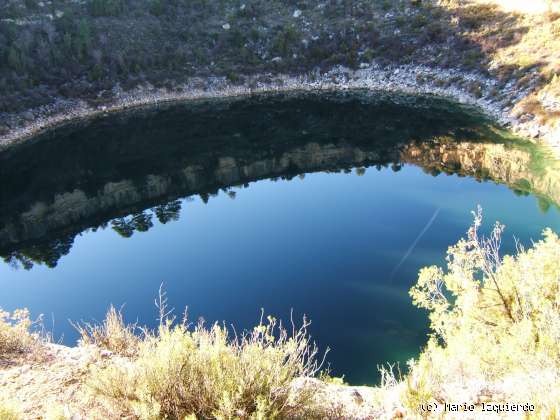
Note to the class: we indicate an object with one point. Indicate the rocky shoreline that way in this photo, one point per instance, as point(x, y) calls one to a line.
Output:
point(466, 88)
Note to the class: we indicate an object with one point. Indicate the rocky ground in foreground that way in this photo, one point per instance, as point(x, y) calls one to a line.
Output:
point(55, 383)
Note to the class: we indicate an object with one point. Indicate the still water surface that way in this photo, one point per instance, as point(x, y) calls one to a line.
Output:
point(279, 228)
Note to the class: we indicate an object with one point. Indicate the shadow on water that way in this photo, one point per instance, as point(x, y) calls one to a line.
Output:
point(126, 171)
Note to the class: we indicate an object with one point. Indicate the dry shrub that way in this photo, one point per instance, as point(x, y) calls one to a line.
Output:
point(183, 371)
point(15, 333)
point(9, 411)
point(496, 323)
point(113, 334)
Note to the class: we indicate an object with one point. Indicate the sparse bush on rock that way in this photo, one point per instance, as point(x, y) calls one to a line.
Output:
point(209, 372)
point(15, 333)
point(112, 334)
point(9, 411)
point(495, 322)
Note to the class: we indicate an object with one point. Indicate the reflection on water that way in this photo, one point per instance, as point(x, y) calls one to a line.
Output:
point(126, 172)
point(326, 244)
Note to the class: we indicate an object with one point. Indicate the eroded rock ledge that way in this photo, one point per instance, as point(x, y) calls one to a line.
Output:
point(463, 87)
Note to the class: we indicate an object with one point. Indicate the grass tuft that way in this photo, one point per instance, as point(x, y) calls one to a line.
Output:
point(113, 334)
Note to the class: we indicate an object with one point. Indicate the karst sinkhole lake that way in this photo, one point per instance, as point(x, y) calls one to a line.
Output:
point(327, 204)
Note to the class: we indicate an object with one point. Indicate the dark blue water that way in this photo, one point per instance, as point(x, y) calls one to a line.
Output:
point(334, 246)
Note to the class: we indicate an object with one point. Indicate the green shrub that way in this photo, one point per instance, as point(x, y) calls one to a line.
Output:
point(14, 59)
point(285, 40)
point(106, 7)
point(233, 77)
point(496, 320)
point(156, 7)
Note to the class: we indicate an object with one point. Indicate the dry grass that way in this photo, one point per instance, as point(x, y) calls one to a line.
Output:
point(209, 372)
point(112, 334)
point(525, 6)
point(16, 336)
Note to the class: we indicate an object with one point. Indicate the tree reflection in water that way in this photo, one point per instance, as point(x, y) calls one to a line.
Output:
point(129, 170)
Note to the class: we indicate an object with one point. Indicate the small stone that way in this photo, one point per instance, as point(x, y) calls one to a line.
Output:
point(357, 397)
point(398, 414)
point(543, 131)
point(534, 131)
point(105, 353)
point(525, 118)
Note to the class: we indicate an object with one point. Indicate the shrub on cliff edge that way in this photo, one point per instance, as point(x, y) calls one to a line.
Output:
point(9, 411)
point(495, 322)
point(112, 334)
point(15, 332)
point(210, 372)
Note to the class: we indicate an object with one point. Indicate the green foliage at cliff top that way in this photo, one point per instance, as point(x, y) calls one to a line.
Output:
point(68, 49)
